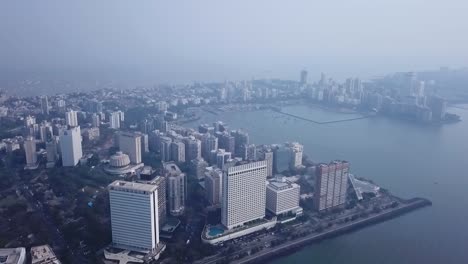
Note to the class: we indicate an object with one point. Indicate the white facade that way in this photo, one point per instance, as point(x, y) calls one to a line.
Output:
point(130, 144)
point(296, 154)
point(244, 194)
point(209, 143)
point(282, 197)
point(176, 188)
point(43, 254)
point(115, 120)
point(70, 146)
point(178, 151)
point(134, 215)
point(13, 255)
point(71, 118)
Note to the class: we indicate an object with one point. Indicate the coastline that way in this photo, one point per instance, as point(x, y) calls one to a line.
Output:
point(292, 246)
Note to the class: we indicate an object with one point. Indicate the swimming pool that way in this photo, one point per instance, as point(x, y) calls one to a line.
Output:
point(214, 231)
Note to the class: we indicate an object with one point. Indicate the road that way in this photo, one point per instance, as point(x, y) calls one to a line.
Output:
point(301, 241)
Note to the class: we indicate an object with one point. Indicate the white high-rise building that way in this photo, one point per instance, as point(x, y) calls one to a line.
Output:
point(331, 184)
point(121, 115)
point(71, 118)
point(244, 195)
point(31, 154)
point(114, 120)
point(192, 148)
point(45, 105)
point(176, 188)
point(70, 146)
point(130, 144)
point(178, 151)
point(209, 143)
point(282, 197)
point(165, 148)
point(134, 215)
point(29, 121)
point(214, 186)
point(296, 150)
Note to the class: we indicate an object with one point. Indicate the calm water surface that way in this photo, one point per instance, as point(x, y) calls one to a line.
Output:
point(410, 160)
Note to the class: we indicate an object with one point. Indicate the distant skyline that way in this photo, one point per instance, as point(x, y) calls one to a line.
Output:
point(180, 42)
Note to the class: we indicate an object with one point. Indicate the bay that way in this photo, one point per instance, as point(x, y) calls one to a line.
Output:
point(408, 159)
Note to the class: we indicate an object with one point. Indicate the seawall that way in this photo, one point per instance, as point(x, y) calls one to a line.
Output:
point(291, 246)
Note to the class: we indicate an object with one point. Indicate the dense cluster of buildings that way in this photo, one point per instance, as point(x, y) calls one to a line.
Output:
point(244, 181)
point(409, 98)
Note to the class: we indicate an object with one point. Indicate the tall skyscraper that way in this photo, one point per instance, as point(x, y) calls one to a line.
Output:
point(214, 186)
point(52, 151)
point(192, 148)
point(331, 184)
point(244, 194)
point(197, 167)
point(121, 115)
point(45, 131)
point(209, 143)
point(31, 154)
point(130, 144)
point(45, 105)
point(96, 120)
point(144, 143)
point(71, 118)
point(282, 159)
point(296, 151)
point(134, 215)
point(241, 139)
point(146, 175)
point(176, 187)
point(165, 148)
point(114, 120)
point(267, 155)
point(226, 141)
point(178, 151)
point(70, 146)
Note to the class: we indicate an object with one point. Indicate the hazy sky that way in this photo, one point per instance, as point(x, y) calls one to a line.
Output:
point(201, 40)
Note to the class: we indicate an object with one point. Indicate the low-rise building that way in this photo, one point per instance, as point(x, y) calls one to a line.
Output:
point(282, 197)
point(13, 255)
point(43, 255)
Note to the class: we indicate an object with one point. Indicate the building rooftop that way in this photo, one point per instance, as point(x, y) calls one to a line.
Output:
point(12, 255)
point(43, 255)
point(135, 186)
point(172, 168)
point(282, 184)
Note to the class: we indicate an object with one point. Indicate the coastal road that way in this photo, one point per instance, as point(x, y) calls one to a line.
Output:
point(301, 241)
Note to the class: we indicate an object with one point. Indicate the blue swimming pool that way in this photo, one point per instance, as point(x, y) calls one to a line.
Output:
point(214, 231)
